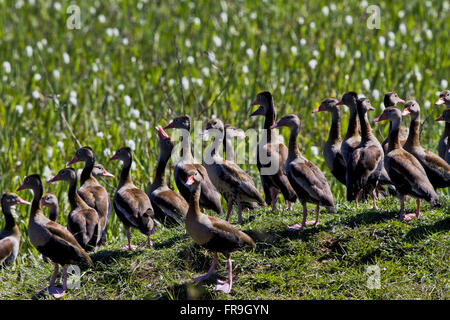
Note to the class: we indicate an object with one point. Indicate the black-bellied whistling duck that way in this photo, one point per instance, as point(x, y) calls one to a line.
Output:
point(444, 141)
point(212, 233)
point(271, 155)
point(100, 171)
point(352, 138)
point(50, 238)
point(438, 171)
point(365, 163)
point(235, 185)
point(406, 172)
point(332, 149)
point(50, 201)
point(170, 207)
point(446, 117)
point(10, 235)
point(210, 198)
point(132, 205)
point(390, 100)
point(305, 177)
point(82, 221)
point(92, 192)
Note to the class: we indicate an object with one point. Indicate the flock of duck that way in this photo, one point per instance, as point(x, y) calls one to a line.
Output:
point(364, 165)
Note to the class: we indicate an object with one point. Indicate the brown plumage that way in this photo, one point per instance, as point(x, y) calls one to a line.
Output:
point(210, 198)
point(406, 172)
point(332, 149)
point(92, 192)
point(352, 138)
point(212, 233)
point(235, 185)
point(170, 207)
point(438, 171)
point(271, 155)
point(50, 238)
point(132, 205)
point(305, 177)
point(445, 142)
point(365, 163)
point(10, 235)
point(390, 100)
point(83, 221)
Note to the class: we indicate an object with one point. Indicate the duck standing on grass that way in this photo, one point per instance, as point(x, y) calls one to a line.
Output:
point(132, 205)
point(305, 177)
point(406, 172)
point(50, 238)
point(212, 233)
point(444, 140)
point(446, 150)
point(10, 235)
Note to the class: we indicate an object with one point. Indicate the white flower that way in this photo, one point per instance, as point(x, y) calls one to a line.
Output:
point(263, 48)
point(348, 19)
point(101, 18)
point(375, 94)
point(47, 173)
point(60, 145)
point(135, 113)
point(312, 63)
point(253, 15)
point(131, 144)
point(66, 58)
point(73, 100)
point(294, 50)
point(249, 52)
point(427, 104)
point(242, 44)
point(6, 67)
point(366, 84)
point(391, 35)
point(19, 109)
point(197, 21)
point(333, 7)
point(171, 82)
point(56, 74)
point(133, 166)
point(364, 3)
point(301, 20)
point(312, 25)
point(418, 75)
point(325, 11)
point(120, 87)
point(49, 152)
point(197, 81)
point(37, 77)
point(57, 6)
point(106, 152)
point(429, 34)
point(444, 84)
point(381, 40)
point(217, 41)
point(185, 83)
point(29, 106)
point(125, 41)
point(100, 134)
point(381, 54)
point(391, 43)
point(187, 43)
point(244, 69)
point(29, 51)
point(212, 57)
point(35, 94)
point(357, 54)
point(302, 42)
point(127, 100)
point(402, 28)
point(224, 17)
point(315, 53)
point(94, 67)
point(314, 151)
point(133, 125)
point(205, 71)
point(382, 107)
point(401, 14)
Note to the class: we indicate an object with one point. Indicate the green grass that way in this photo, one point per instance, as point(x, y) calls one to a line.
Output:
point(167, 41)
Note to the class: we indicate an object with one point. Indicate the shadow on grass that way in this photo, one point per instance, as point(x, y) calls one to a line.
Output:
point(170, 242)
point(422, 231)
point(369, 217)
point(111, 256)
point(188, 290)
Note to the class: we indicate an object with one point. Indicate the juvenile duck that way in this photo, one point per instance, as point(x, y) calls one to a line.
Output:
point(50, 201)
point(305, 177)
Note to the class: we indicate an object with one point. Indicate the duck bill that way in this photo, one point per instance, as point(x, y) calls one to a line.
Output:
point(21, 201)
point(276, 125)
point(161, 133)
point(320, 108)
point(340, 103)
point(204, 132)
point(371, 108)
point(74, 160)
point(240, 134)
point(441, 118)
point(380, 118)
point(56, 178)
point(254, 103)
point(406, 112)
point(401, 100)
point(114, 157)
point(169, 126)
point(440, 101)
point(22, 187)
point(107, 174)
point(190, 180)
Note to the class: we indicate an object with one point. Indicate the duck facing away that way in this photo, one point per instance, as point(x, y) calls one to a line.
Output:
point(437, 170)
point(305, 177)
point(332, 149)
point(210, 198)
point(82, 221)
point(446, 150)
point(132, 205)
point(406, 172)
point(271, 155)
point(365, 163)
point(444, 140)
point(213, 234)
point(170, 207)
point(50, 238)
point(10, 235)
point(235, 185)
point(91, 191)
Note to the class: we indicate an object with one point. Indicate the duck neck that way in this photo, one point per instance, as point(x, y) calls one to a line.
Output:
point(335, 130)
point(125, 175)
point(87, 170)
point(186, 151)
point(218, 141)
point(194, 206)
point(53, 212)
point(36, 204)
point(414, 132)
point(366, 130)
point(353, 126)
point(160, 177)
point(293, 144)
point(9, 219)
point(394, 141)
point(447, 130)
point(269, 121)
point(74, 198)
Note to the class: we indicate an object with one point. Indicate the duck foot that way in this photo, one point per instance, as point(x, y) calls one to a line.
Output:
point(129, 248)
point(311, 223)
point(223, 286)
point(295, 227)
point(56, 292)
point(409, 216)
